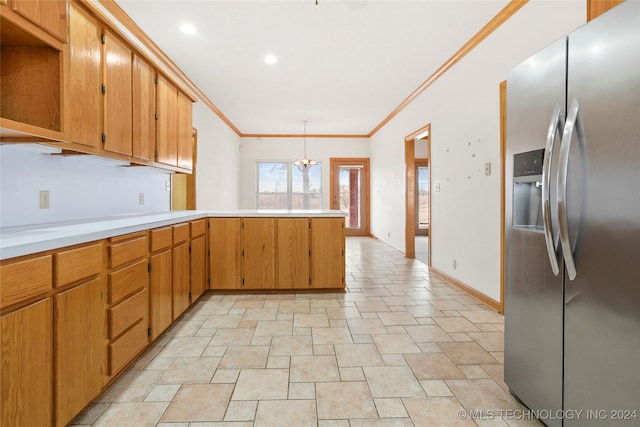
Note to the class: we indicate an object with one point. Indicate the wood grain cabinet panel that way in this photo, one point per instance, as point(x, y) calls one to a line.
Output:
point(50, 15)
point(160, 292)
point(128, 312)
point(293, 253)
point(198, 228)
point(185, 126)
point(83, 110)
point(258, 247)
point(127, 281)
point(143, 109)
point(21, 280)
point(125, 348)
point(117, 62)
point(161, 238)
point(167, 122)
point(26, 366)
point(79, 263)
point(180, 285)
point(122, 253)
point(79, 348)
point(327, 253)
point(198, 259)
point(225, 244)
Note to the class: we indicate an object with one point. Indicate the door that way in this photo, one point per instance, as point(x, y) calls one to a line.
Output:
point(349, 182)
point(293, 253)
point(602, 301)
point(258, 253)
point(327, 253)
point(117, 63)
point(422, 197)
point(225, 245)
point(533, 293)
point(160, 294)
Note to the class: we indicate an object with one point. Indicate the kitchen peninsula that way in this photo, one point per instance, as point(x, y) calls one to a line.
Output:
point(84, 299)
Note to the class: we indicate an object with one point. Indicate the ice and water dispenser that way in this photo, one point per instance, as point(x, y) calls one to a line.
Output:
point(527, 190)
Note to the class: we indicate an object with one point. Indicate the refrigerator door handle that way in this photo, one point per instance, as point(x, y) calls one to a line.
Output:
point(555, 127)
point(573, 123)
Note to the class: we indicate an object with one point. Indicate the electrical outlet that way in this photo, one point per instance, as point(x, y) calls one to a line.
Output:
point(437, 186)
point(487, 168)
point(167, 185)
point(455, 264)
point(141, 198)
point(44, 199)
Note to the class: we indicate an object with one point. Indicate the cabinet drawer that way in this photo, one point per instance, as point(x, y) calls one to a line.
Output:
point(125, 348)
point(25, 279)
point(180, 233)
point(198, 228)
point(75, 264)
point(161, 238)
point(122, 253)
point(128, 280)
point(128, 312)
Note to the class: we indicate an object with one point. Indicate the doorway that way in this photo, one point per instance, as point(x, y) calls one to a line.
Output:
point(418, 227)
point(349, 192)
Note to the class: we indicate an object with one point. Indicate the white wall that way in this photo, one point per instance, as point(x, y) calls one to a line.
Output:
point(463, 109)
point(321, 150)
point(217, 173)
point(80, 187)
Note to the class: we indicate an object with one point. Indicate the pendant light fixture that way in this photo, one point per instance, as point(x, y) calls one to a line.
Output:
point(305, 162)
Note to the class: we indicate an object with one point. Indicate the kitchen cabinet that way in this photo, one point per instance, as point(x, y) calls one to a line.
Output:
point(143, 110)
point(258, 253)
point(293, 253)
point(327, 253)
point(50, 15)
point(167, 122)
point(198, 259)
point(117, 95)
point(225, 245)
point(181, 263)
point(160, 280)
point(185, 132)
point(128, 300)
point(83, 109)
point(79, 311)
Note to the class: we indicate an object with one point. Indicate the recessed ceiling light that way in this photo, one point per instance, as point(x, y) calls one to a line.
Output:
point(188, 29)
point(270, 59)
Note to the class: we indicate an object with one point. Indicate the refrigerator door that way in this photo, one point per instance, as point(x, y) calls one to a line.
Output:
point(602, 303)
point(533, 293)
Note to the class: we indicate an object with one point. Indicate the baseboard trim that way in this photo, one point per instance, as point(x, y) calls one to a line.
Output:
point(488, 301)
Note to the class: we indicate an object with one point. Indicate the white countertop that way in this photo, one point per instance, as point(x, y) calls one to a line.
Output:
point(30, 239)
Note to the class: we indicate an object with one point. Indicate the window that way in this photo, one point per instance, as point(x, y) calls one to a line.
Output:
point(283, 185)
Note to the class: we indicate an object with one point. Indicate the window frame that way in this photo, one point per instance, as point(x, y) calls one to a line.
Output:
point(289, 191)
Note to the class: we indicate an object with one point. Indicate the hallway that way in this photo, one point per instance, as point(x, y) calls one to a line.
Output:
point(400, 348)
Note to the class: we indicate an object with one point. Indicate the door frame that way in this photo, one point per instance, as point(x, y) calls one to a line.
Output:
point(421, 163)
point(410, 191)
point(334, 163)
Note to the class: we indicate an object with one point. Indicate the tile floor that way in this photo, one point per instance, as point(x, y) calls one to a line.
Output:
point(400, 348)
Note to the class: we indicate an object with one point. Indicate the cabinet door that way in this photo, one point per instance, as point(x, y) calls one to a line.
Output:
point(327, 252)
point(180, 279)
point(83, 78)
point(198, 267)
point(117, 96)
point(50, 15)
point(185, 138)
point(26, 366)
point(258, 247)
point(293, 253)
point(160, 296)
point(79, 350)
point(144, 109)
point(167, 123)
point(225, 244)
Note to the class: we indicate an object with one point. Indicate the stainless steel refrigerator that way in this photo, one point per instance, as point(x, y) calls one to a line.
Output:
point(572, 278)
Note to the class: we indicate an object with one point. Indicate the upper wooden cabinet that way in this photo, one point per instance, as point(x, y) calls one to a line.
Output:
point(185, 133)
point(50, 15)
point(144, 109)
point(167, 122)
point(83, 78)
point(117, 92)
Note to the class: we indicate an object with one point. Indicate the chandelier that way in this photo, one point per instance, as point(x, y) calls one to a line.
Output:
point(305, 162)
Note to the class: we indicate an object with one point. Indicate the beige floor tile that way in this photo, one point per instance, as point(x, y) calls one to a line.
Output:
point(199, 402)
point(222, 321)
point(460, 336)
point(275, 362)
point(396, 343)
point(398, 300)
point(366, 326)
point(274, 327)
point(330, 336)
point(260, 314)
point(343, 400)
point(390, 408)
point(483, 316)
point(358, 355)
point(245, 356)
point(436, 388)
point(294, 307)
point(313, 369)
point(428, 333)
point(241, 410)
point(259, 384)
point(224, 337)
point(437, 411)
point(397, 318)
point(393, 359)
point(446, 304)
point(392, 381)
point(248, 303)
point(302, 391)
point(490, 341)
point(455, 324)
point(190, 370)
point(184, 328)
point(162, 393)
point(301, 331)
point(475, 371)
point(310, 320)
point(133, 386)
point(132, 414)
point(351, 374)
point(483, 394)
point(467, 353)
point(371, 306)
point(90, 414)
point(343, 313)
point(435, 366)
point(225, 376)
point(390, 422)
point(279, 413)
point(185, 347)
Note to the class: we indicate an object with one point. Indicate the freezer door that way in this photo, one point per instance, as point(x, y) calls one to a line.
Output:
point(533, 294)
point(602, 303)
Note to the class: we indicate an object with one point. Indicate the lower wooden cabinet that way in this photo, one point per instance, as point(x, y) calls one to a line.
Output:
point(225, 245)
point(198, 259)
point(327, 253)
point(26, 366)
point(258, 253)
point(160, 280)
point(181, 286)
point(293, 253)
